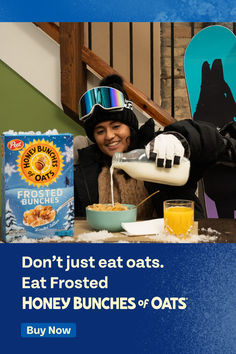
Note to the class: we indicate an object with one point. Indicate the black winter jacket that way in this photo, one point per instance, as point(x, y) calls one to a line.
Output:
point(207, 147)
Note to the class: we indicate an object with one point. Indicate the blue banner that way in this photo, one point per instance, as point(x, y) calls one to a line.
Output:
point(124, 10)
point(118, 298)
point(113, 298)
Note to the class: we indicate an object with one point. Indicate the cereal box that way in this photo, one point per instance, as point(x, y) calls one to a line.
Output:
point(37, 185)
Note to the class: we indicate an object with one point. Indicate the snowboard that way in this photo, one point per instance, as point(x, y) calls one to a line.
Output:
point(210, 73)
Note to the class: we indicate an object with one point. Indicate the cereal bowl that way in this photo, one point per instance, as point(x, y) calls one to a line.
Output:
point(111, 220)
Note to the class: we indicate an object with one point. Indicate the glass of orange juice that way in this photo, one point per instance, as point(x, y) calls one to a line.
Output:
point(178, 217)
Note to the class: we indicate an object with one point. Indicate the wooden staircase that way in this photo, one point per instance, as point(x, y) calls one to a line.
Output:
point(75, 58)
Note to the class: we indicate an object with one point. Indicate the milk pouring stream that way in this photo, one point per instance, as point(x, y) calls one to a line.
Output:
point(136, 164)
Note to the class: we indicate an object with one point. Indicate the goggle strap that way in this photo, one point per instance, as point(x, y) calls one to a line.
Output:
point(128, 105)
point(84, 118)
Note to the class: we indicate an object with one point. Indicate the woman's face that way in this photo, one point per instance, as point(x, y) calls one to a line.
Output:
point(112, 136)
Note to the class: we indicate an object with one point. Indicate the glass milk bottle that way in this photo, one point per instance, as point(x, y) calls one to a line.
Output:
point(136, 164)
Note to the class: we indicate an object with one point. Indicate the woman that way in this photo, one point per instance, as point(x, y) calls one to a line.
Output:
point(111, 124)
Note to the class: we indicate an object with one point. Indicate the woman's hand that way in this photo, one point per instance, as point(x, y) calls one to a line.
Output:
point(166, 150)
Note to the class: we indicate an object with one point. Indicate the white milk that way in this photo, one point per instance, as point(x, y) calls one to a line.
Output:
point(177, 175)
point(112, 191)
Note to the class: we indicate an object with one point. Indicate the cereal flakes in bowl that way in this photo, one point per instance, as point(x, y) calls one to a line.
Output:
point(109, 217)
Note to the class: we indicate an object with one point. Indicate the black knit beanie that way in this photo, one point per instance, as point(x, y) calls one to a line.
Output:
point(99, 115)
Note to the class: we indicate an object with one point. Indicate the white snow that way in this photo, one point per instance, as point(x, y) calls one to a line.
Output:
point(9, 169)
point(210, 230)
point(68, 153)
point(94, 237)
point(103, 236)
point(191, 239)
point(48, 132)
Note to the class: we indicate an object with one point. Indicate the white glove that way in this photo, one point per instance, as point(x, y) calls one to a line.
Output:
point(166, 150)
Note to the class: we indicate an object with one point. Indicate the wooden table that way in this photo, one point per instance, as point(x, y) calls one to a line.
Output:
point(226, 227)
point(225, 231)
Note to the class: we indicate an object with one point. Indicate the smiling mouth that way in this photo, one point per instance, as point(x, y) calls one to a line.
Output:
point(113, 145)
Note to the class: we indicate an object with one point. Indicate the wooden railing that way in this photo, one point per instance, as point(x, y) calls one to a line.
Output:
point(74, 58)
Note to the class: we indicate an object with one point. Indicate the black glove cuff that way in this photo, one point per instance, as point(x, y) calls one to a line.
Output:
point(229, 130)
point(228, 158)
point(183, 141)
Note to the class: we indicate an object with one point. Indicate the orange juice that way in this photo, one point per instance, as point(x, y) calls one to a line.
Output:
point(178, 220)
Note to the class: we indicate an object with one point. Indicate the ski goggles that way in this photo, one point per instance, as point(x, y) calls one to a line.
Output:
point(106, 97)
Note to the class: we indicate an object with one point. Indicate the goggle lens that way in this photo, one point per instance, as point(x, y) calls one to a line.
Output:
point(107, 97)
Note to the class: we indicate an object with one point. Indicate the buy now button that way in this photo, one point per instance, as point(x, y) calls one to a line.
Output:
point(48, 330)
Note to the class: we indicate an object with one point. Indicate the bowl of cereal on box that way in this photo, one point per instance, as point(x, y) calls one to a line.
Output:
point(109, 217)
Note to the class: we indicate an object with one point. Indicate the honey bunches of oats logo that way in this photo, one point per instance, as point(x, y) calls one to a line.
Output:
point(40, 163)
